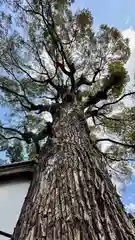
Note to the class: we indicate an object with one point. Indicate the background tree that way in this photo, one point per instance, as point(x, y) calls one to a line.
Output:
point(52, 61)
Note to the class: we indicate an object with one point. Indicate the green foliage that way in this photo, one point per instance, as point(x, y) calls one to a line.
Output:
point(117, 70)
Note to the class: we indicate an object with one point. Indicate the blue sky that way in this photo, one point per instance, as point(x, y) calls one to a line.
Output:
point(118, 13)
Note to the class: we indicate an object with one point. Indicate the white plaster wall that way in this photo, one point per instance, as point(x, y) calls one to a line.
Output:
point(12, 195)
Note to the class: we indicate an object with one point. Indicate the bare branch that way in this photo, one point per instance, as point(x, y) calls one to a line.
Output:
point(45, 81)
point(29, 136)
point(84, 81)
point(5, 234)
point(31, 106)
point(57, 41)
point(9, 138)
point(51, 27)
point(102, 94)
point(114, 159)
point(49, 80)
point(19, 96)
point(109, 118)
point(118, 100)
point(46, 132)
point(16, 64)
point(113, 141)
point(11, 129)
point(14, 131)
point(95, 113)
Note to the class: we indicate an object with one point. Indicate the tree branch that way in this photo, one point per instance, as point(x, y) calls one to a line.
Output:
point(9, 138)
point(109, 118)
point(23, 135)
point(56, 39)
point(118, 100)
point(102, 95)
point(31, 106)
point(84, 81)
point(49, 80)
point(45, 81)
point(51, 27)
point(96, 113)
point(11, 129)
point(113, 141)
point(46, 132)
point(29, 136)
point(5, 234)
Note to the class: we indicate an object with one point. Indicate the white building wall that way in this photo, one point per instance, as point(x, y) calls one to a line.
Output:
point(12, 195)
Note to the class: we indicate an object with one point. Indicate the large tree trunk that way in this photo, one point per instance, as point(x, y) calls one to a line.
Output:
point(71, 196)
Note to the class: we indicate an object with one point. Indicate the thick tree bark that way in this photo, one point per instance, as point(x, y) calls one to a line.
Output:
point(71, 196)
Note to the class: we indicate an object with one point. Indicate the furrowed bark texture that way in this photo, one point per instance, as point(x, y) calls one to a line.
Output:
point(71, 196)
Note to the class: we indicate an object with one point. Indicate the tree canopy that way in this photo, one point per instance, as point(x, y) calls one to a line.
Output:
point(50, 57)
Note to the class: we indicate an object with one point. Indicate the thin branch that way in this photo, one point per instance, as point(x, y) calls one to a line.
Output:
point(102, 94)
point(109, 118)
point(16, 64)
point(39, 60)
point(31, 106)
point(113, 141)
point(9, 138)
point(49, 80)
point(46, 132)
point(118, 100)
point(117, 160)
point(5, 234)
point(94, 113)
point(15, 78)
point(55, 37)
point(11, 129)
point(84, 81)
point(45, 82)
point(58, 43)
point(5, 88)
point(29, 136)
